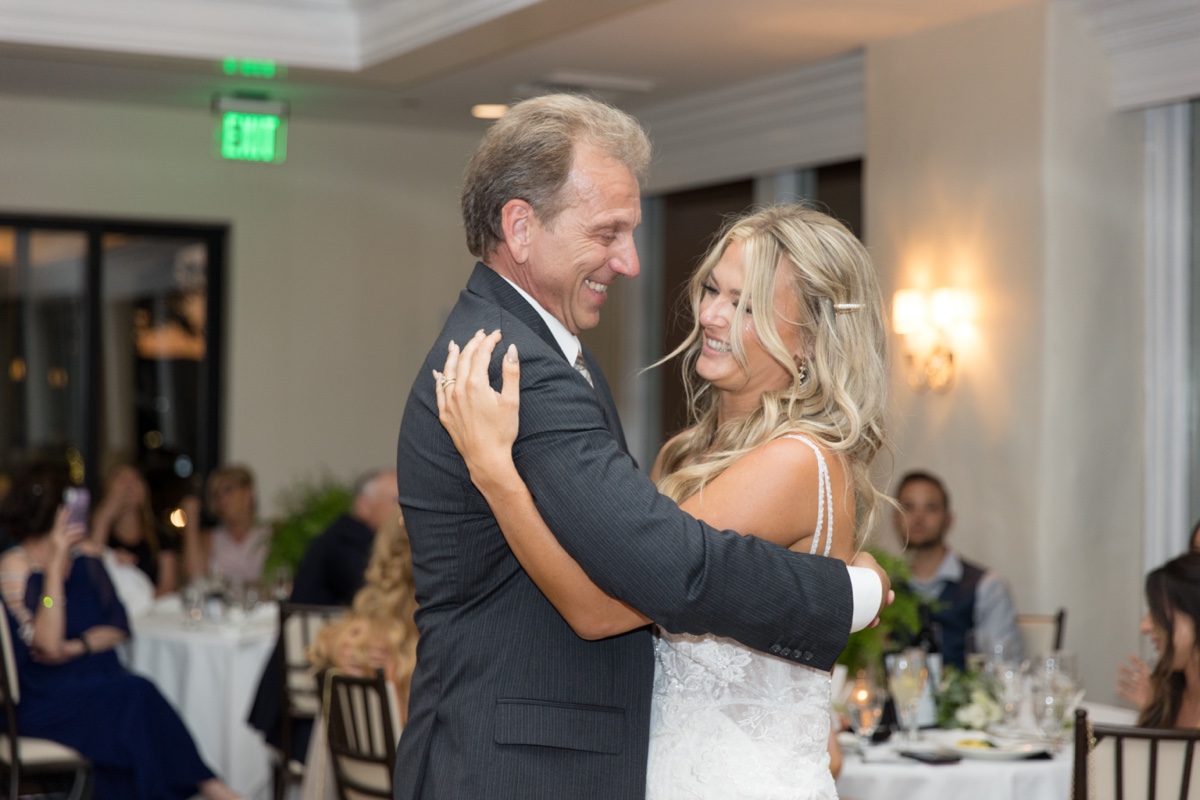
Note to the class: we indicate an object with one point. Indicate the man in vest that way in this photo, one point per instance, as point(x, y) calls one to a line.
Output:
point(963, 596)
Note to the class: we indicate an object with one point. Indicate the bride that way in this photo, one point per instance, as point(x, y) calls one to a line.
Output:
point(786, 382)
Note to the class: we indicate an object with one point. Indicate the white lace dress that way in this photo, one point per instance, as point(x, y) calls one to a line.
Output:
point(729, 722)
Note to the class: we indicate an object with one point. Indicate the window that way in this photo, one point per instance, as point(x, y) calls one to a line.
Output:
point(110, 349)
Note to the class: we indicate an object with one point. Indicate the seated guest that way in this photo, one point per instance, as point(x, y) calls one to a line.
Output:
point(379, 633)
point(65, 619)
point(334, 564)
point(1169, 695)
point(963, 596)
point(236, 548)
point(331, 571)
point(124, 522)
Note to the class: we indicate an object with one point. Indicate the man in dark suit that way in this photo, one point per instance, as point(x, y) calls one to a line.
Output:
point(331, 571)
point(507, 701)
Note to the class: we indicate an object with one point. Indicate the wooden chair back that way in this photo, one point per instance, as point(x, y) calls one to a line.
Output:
point(1125, 762)
point(1042, 634)
point(364, 726)
point(33, 765)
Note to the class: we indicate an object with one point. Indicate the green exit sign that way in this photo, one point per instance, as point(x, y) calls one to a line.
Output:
point(246, 136)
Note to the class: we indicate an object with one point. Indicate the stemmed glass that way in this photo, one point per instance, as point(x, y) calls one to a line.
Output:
point(907, 674)
point(1010, 682)
point(864, 706)
point(1056, 692)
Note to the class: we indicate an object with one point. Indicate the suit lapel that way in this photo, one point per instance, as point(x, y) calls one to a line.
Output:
point(487, 284)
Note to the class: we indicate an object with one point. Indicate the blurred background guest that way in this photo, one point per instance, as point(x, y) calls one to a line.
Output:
point(1194, 542)
point(66, 621)
point(968, 596)
point(124, 522)
point(1168, 696)
point(334, 565)
point(236, 548)
point(379, 633)
point(333, 568)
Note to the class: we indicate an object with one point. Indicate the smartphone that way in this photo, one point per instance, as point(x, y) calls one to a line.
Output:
point(77, 499)
point(931, 757)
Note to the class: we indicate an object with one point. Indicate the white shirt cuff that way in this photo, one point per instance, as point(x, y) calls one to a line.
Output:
point(868, 596)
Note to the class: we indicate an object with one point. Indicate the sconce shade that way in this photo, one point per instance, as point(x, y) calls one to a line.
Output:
point(909, 311)
point(927, 322)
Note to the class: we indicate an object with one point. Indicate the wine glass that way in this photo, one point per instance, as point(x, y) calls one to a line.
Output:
point(864, 706)
point(1056, 692)
point(907, 674)
point(1010, 681)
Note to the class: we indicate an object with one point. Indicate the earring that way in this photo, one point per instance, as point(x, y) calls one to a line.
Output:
point(802, 369)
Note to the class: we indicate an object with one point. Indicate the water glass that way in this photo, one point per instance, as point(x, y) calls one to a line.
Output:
point(1010, 683)
point(864, 706)
point(1056, 692)
point(907, 674)
point(193, 605)
point(281, 584)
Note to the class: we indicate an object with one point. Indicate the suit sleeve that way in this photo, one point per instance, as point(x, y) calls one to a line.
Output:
point(641, 548)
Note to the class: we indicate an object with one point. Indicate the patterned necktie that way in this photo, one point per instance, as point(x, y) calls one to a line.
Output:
point(582, 368)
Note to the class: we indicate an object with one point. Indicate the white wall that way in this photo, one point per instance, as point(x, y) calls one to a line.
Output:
point(343, 261)
point(995, 164)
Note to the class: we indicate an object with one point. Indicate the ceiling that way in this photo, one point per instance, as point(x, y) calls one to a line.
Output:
point(427, 62)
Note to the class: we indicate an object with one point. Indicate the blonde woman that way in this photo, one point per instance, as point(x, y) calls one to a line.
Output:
point(786, 383)
point(377, 633)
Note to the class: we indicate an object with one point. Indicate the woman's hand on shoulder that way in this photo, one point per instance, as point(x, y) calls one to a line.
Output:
point(482, 422)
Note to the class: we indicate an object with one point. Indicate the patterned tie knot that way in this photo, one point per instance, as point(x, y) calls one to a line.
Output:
point(582, 368)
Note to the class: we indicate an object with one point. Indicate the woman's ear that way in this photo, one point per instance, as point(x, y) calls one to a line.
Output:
point(517, 220)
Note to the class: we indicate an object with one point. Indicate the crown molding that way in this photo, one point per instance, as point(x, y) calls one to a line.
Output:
point(392, 28)
point(799, 118)
point(1153, 48)
point(341, 35)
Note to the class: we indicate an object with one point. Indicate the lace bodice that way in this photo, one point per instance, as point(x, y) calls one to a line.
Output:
point(730, 722)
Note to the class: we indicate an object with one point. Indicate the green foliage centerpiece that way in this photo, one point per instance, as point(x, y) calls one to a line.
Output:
point(898, 623)
point(309, 507)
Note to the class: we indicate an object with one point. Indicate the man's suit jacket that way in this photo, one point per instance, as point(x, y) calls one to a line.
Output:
point(506, 701)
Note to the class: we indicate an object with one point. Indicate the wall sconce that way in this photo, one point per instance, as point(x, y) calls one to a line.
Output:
point(925, 321)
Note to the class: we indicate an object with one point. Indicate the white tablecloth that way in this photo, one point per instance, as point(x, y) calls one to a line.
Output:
point(883, 778)
point(210, 674)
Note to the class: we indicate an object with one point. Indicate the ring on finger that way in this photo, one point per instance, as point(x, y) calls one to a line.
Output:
point(447, 381)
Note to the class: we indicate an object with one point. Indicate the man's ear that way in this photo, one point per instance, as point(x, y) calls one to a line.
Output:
point(517, 220)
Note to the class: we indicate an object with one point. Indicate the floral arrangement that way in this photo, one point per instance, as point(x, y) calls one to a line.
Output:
point(967, 700)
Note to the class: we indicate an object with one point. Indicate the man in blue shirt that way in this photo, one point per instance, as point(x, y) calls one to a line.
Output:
point(968, 596)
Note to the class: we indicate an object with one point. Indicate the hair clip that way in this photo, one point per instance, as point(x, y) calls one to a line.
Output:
point(846, 308)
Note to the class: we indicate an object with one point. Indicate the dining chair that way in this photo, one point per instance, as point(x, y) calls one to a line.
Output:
point(301, 701)
point(363, 723)
point(1042, 634)
point(34, 766)
point(1124, 762)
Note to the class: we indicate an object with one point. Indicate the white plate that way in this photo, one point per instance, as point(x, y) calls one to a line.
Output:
point(1000, 752)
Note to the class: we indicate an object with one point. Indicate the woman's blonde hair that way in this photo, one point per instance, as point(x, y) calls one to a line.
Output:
point(379, 631)
point(837, 395)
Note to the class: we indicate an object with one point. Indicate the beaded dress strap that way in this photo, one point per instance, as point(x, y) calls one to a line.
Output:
point(825, 499)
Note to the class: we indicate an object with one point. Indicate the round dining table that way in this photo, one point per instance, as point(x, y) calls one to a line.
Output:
point(209, 670)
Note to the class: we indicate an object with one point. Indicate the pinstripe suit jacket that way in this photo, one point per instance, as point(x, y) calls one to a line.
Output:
point(507, 702)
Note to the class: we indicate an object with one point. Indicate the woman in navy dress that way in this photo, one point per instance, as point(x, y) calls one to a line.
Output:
point(66, 621)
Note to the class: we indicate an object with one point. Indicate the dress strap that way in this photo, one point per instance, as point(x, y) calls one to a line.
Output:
point(824, 499)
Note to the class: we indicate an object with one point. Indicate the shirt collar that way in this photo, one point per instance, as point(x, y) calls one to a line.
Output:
point(567, 342)
point(949, 571)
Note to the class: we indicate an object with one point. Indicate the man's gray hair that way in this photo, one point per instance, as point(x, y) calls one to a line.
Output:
point(364, 482)
point(527, 155)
